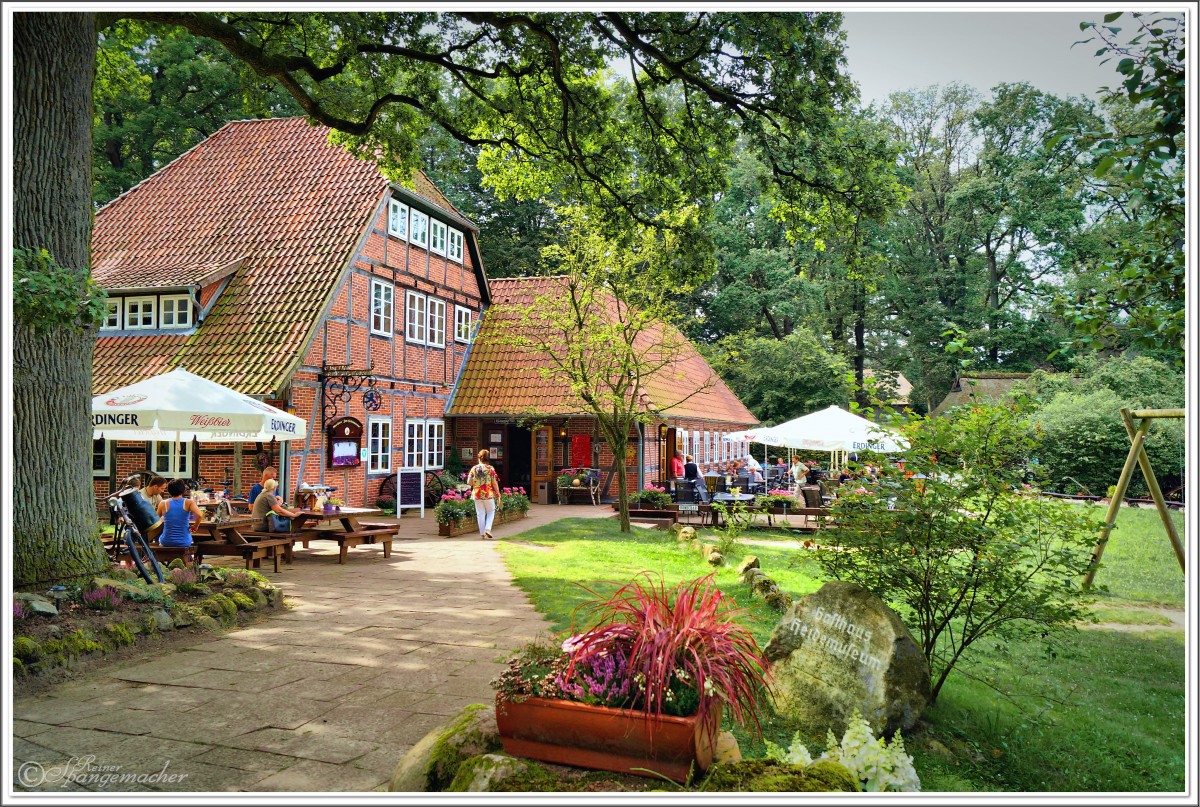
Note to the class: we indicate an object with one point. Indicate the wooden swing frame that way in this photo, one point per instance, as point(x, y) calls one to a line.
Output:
point(1137, 456)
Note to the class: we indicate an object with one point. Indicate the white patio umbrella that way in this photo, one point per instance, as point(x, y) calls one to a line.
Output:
point(179, 406)
point(832, 429)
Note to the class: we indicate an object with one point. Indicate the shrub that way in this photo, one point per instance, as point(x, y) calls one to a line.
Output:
point(386, 503)
point(960, 553)
point(105, 598)
point(119, 633)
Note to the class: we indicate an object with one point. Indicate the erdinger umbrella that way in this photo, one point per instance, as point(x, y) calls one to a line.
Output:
point(181, 406)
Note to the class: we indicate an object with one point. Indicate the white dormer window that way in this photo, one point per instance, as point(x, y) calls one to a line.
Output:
point(112, 316)
point(462, 324)
point(176, 311)
point(437, 237)
point(454, 246)
point(139, 313)
point(419, 231)
point(398, 219)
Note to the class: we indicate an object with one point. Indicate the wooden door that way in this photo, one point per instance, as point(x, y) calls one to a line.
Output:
point(543, 460)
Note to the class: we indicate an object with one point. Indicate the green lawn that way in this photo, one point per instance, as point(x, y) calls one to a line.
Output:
point(1139, 565)
point(1103, 713)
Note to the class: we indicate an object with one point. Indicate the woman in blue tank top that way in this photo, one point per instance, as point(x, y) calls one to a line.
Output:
point(175, 511)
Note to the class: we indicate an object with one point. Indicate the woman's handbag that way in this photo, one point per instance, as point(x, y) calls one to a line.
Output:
point(280, 523)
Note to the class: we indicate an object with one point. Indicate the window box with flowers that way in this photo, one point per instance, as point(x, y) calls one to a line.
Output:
point(455, 513)
point(642, 691)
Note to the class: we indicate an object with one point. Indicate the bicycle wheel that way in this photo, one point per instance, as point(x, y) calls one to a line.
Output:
point(433, 489)
point(143, 558)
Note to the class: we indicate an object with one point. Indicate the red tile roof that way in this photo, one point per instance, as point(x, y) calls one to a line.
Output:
point(273, 199)
point(501, 379)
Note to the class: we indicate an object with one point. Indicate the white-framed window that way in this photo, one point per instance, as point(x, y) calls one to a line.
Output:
point(172, 459)
point(707, 447)
point(112, 315)
point(437, 237)
point(381, 307)
point(414, 307)
point(139, 312)
point(418, 231)
point(696, 447)
point(398, 219)
point(379, 445)
point(435, 334)
point(414, 443)
point(100, 457)
point(682, 437)
point(462, 323)
point(454, 245)
point(435, 443)
point(175, 311)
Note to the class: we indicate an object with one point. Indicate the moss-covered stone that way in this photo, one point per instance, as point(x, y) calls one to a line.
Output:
point(771, 776)
point(259, 596)
point(119, 633)
point(432, 763)
point(715, 559)
point(176, 564)
point(127, 589)
point(81, 642)
point(27, 649)
point(207, 622)
point(220, 607)
point(18, 666)
point(242, 601)
point(194, 589)
point(496, 773)
point(748, 562)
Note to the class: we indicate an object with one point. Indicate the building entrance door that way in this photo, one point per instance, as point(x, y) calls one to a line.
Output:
point(543, 464)
point(519, 460)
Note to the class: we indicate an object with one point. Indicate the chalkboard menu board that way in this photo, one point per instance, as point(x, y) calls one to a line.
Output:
point(410, 489)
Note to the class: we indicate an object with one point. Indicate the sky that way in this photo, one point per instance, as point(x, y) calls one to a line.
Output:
point(890, 51)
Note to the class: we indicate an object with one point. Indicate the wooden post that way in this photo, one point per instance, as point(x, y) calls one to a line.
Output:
point(1114, 504)
point(1152, 481)
point(237, 469)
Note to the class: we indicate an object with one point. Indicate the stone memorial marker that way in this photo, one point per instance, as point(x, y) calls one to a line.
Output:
point(842, 648)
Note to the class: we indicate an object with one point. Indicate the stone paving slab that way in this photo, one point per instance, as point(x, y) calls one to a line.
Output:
point(326, 696)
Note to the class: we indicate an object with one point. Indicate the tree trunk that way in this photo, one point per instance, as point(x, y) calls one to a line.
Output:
point(55, 532)
point(860, 342)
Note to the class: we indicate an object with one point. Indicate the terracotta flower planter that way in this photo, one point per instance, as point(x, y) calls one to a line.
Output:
point(597, 737)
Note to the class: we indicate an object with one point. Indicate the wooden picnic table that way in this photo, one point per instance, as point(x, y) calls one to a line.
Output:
point(353, 532)
point(234, 537)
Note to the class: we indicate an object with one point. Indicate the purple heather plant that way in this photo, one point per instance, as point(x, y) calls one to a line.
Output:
point(20, 610)
point(602, 679)
point(105, 598)
point(181, 576)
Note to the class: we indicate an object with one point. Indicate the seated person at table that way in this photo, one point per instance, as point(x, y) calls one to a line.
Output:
point(153, 492)
point(176, 515)
point(267, 505)
point(268, 473)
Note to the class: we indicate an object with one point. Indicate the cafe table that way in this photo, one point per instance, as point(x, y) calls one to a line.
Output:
point(727, 499)
point(235, 537)
point(353, 532)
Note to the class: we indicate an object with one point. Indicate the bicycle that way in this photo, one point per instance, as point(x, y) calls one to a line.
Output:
point(128, 539)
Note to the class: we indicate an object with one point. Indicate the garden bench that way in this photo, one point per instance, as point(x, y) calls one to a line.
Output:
point(166, 554)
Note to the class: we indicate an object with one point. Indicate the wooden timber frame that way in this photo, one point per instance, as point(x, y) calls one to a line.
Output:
point(1137, 456)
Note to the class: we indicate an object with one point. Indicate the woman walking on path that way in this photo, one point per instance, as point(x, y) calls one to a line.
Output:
point(485, 490)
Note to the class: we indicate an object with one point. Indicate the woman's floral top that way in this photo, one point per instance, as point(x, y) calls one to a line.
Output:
point(482, 480)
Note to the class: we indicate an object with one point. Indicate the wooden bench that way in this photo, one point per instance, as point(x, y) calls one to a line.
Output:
point(166, 554)
point(251, 551)
point(382, 534)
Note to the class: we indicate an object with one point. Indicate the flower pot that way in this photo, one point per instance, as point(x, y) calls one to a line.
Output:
point(327, 508)
point(601, 738)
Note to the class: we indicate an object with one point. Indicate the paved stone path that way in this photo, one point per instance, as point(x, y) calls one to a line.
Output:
point(326, 696)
